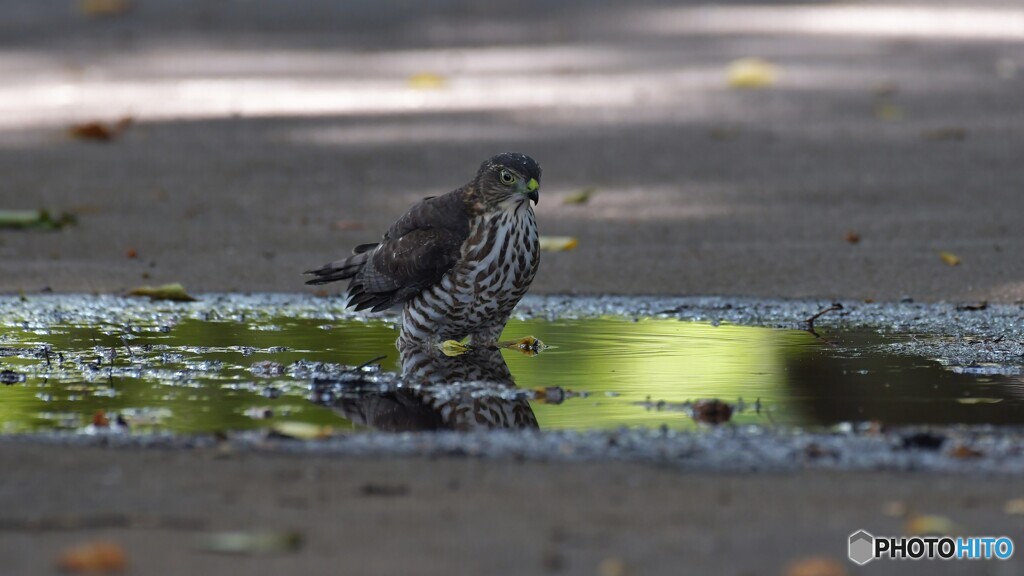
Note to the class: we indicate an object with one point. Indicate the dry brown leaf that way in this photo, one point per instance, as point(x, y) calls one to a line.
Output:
point(100, 420)
point(852, 236)
point(558, 243)
point(752, 73)
point(712, 411)
point(965, 452)
point(949, 258)
point(815, 566)
point(174, 292)
point(580, 196)
point(104, 7)
point(98, 131)
point(527, 345)
point(93, 557)
point(426, 81)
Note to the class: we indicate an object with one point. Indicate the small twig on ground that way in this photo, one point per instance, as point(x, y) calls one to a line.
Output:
point(810, 321)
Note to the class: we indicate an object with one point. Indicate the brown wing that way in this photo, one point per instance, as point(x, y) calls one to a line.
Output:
point(415, 253)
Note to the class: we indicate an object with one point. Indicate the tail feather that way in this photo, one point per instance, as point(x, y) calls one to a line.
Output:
point(338, 270)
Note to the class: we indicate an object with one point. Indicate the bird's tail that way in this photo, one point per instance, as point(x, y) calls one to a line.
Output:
point(341, 269)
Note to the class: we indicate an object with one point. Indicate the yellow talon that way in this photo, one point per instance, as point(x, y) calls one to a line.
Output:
point(454, 348)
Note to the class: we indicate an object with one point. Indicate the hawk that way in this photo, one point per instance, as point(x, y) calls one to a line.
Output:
point(459, 263)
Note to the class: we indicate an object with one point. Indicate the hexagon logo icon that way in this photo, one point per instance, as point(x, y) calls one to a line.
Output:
point(862, 545)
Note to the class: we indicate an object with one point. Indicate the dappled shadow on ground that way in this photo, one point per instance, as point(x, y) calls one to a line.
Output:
point(267, 137)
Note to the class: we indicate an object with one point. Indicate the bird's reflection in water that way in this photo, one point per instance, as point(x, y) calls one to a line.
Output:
point(471, 391)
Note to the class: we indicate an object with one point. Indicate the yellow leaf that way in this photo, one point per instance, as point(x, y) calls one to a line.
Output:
point(752, 73)
point(949, 258)
point(174, 292)
point(579, 197)
point(426, 81)
point(558, 243)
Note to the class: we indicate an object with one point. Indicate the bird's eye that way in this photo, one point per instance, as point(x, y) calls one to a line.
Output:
point(507, 178)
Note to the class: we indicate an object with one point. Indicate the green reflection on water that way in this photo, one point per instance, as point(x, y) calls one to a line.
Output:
point(198, 376)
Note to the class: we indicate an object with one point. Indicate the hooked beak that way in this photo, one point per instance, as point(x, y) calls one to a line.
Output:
point(534, 193)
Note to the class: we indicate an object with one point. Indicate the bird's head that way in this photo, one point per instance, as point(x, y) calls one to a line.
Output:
point(509, 176)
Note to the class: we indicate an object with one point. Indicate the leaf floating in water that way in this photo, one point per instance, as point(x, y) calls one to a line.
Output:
point(852, 237)
point(104, 7)
point(174, 292)
point(752, 73)
point(39, 219)
point(712, 411)
point(285, 542)
point(93, 557)
point(303, 430)
point(964, 452)
point(527, 345)
point(580, 196)
point(949, 258)
point(558, 243)
point(426, 81)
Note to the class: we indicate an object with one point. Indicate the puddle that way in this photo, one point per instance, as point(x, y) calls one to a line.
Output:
point(206, 373)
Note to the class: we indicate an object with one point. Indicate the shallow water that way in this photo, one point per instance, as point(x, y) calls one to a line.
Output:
point(200, 375)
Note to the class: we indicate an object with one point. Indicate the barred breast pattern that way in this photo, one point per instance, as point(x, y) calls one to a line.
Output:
point(476, 296)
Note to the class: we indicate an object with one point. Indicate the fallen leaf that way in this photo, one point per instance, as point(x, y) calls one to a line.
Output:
point(752, 73)
point(39, 219)
point(889, 112)
point(712, 411)
point(973, 307)
point(965, 452)
point(100, 132)
point(91, 131)
point(558, 243)
point(930, 525)
point(1014, 507)
point(947, 133)
point(270, 542)
point(104, 7)
point(131, 253)
point(528, 345)
point(303, 430)
point(852, 237)
point(426, 81)
point(815, 566)
point(580, 196)
point(93, 557)
point(949, 258)
point(174, 292)
point(100, 420)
